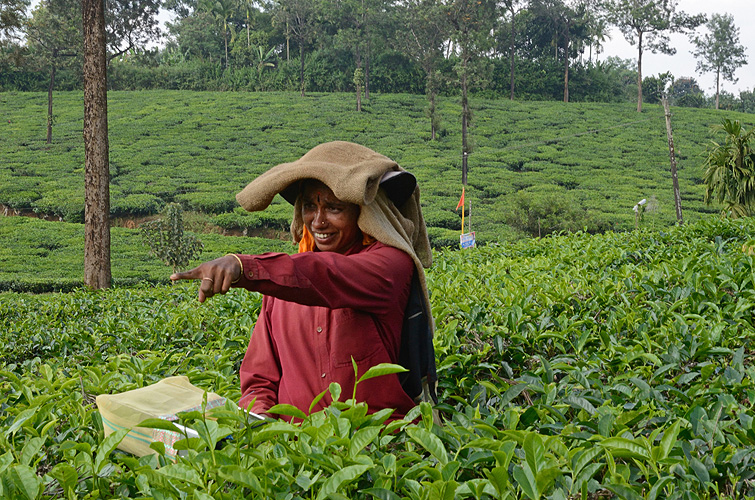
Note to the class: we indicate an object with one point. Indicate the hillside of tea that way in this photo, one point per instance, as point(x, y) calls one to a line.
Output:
point(536, 167)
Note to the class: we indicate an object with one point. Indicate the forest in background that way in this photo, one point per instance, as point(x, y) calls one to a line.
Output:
point(520, 49)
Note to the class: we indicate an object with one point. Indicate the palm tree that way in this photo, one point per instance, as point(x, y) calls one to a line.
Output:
point(730, 170)
point(221, 10)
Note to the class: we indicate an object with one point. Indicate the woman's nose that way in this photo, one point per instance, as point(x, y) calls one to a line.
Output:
point(320, 219)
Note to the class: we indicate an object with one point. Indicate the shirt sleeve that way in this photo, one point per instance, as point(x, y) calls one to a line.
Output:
point(368, 281)
point(260, 370)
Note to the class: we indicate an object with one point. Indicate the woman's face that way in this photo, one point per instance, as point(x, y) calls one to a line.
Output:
point(332, 222)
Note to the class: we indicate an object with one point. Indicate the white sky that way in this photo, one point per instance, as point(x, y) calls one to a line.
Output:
point(683, 63)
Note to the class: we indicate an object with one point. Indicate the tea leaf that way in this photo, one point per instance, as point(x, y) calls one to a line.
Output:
point(26, 481)
point(107, 446)
point(622, 447)
point(345, 475)
point(362, 438)
point(288, 410)
point(381, 369)
point(429, 442)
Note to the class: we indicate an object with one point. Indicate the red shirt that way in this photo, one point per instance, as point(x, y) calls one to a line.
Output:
point(321, 309)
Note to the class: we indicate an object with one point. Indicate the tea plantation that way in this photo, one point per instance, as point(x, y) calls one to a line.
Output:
point(573, 366)
point(536, 167)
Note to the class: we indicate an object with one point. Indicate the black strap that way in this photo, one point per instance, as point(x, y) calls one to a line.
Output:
point(417, 353)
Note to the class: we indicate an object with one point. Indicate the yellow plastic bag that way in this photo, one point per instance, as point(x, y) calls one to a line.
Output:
point(164, 400)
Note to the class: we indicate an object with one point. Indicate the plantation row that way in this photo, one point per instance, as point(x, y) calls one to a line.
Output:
point(570, 366)
point(536, 167)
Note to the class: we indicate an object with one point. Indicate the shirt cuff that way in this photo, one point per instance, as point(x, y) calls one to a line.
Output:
point(248, 270)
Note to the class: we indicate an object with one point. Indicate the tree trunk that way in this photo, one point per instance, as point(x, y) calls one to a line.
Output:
point(49, 98)
point(367, 53)
point(301, 67)
point(432, 116)
point(511, 52)
point(97, 175)
point(718, 74)
point(225, 39)
point(639, 73)
point(566, 67)
point(367, 72)
point(672, 156)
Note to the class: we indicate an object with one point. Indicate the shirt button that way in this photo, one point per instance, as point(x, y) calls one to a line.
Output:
point(319, 330)
point(251, 275)
point(323, 375)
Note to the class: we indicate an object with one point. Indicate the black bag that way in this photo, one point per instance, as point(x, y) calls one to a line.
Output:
point(417, 353)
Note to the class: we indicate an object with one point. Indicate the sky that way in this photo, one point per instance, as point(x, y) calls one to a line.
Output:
point(683, 63)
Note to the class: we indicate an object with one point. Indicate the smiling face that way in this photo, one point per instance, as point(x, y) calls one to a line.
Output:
point(332, 222)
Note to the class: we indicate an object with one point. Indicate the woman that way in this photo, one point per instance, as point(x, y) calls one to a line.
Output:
point(362, 248)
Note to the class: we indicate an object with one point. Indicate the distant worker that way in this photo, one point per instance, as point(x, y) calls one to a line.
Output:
point(356, 289)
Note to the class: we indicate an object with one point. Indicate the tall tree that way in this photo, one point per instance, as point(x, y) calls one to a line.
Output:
point(471, 22)
point(423, 33)
point(512, 7)
point(647, 24)
point(348, 17)
point(597, 28)
point(54, 36)
point(300, 19)
point(96, 170)
point(719, 50)
point(221, 10)
point(565, 23)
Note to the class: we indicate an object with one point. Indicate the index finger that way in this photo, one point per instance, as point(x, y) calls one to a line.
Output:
point(192, 274)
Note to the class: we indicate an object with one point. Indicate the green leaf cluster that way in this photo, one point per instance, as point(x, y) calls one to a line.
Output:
point(592, 161)
point(571, 366)
point(167, 241)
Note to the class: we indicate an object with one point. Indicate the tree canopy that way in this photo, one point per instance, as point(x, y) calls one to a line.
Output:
point(647, 24)
point(719, 50)
point(525, 49)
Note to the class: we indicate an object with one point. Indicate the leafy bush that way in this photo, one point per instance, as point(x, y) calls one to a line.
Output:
point(540, 214)
point(167, 241)
point(570, 366)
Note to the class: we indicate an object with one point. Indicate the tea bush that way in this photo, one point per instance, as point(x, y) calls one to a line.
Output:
point(44, 256)
point(201, 148)
point(571, 366)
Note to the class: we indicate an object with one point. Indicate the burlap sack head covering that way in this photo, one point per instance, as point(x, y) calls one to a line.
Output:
point(354, 174)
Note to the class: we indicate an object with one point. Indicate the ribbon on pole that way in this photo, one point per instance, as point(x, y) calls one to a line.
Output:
point(461, 204)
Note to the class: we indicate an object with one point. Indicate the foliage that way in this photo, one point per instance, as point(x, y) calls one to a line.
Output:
point(12, 17)
point(200, 149)
point(43, 256)
point(647, 24)
point(570, 366)
point(730, 170)
point(550, 212)
point(167, 241)
point(719, 50)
